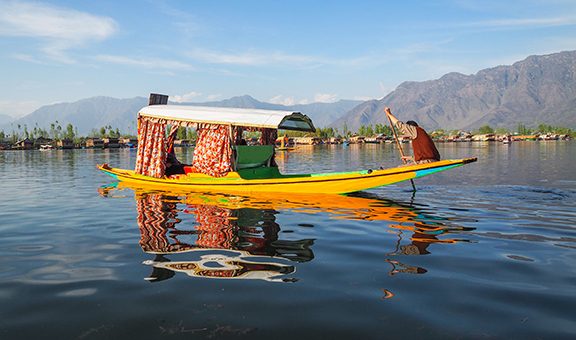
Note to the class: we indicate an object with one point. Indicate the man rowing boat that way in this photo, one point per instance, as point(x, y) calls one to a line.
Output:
point(422, 145)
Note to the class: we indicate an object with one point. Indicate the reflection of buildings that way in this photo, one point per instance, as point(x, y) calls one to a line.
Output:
point(224, 242)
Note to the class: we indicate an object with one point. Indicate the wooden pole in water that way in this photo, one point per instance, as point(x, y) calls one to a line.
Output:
point(398, 143)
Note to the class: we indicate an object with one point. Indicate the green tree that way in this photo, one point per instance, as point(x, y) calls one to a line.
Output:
point(345, 130)
point(369, 131)
point(181, 133)
point(69, 134)
point(325, 132)
point(485, 129)
point(191, 134)
point(544, 128)
point(523, 130)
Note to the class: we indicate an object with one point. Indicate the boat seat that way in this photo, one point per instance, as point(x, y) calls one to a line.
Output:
point(252, 156)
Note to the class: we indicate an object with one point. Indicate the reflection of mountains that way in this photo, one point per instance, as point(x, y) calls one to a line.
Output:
point(236, 236)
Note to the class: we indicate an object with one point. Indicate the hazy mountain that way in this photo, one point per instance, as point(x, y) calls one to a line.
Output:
point(5, 119)
point(93, 113)
point(539, 89)
point(87, 114)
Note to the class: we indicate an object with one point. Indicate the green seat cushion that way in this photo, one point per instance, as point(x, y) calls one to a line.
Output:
point(251, 156)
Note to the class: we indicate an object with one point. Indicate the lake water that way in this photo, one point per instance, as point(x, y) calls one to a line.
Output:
point(487, 250)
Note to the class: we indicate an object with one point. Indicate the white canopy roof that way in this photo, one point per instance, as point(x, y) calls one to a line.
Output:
point(275, 119)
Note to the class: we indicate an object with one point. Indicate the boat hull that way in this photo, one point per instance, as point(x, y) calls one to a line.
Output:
point(328, 183)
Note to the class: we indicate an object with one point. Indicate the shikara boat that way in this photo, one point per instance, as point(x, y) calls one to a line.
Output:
point(222, 164)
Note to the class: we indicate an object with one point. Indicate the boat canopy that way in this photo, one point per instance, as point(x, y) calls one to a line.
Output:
point(272, 119)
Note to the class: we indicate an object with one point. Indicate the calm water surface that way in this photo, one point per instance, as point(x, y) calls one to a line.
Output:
point(487, 250)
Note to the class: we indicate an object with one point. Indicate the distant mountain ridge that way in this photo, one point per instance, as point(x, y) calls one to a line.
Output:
point(93, 113)
point(539, 89)
point(86, 114)
point(5, 119)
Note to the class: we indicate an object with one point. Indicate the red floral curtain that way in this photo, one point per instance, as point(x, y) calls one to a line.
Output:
point(151, 148)
point(212, 154)
point(171, 137)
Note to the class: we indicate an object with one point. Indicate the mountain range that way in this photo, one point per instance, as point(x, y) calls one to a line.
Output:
point(538, 89)
point(93, 113)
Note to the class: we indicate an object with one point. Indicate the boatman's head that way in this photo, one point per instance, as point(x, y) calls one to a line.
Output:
point(411, 122)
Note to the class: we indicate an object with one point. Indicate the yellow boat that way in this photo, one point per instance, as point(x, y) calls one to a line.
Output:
point(222, 164)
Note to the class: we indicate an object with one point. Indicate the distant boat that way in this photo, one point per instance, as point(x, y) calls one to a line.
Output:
point(46, 147)
point(285, 148)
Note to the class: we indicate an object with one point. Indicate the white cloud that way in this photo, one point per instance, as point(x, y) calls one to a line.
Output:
point(524, 22)
point(59, 29)
point(325, 98)
point(364, 98)
point(27, 58)
point(152, 63)
point(187, 97)
point(251, 58)
point(212, 97)
point(281, 100)
point(318, 98)
point(17, 109)
point(194, 97)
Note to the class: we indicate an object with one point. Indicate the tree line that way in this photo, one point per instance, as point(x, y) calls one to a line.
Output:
point(57, 132)
point(70, 132)
point(521, 129)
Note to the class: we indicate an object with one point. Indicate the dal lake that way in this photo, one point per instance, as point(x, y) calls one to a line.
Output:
point(487, 250)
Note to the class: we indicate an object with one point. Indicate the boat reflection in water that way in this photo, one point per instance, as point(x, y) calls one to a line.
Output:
point(227, 236)
point(225, 243)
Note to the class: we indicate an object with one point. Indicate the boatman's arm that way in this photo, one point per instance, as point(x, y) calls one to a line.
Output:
point(390, 115)
point(407, 130)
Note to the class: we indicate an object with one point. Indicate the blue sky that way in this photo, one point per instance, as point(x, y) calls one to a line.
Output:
point(285, 52)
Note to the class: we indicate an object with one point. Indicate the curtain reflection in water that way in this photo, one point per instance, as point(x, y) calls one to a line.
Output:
point(231, 243)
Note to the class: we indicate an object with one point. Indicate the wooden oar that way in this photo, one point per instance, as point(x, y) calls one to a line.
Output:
point(398, 144)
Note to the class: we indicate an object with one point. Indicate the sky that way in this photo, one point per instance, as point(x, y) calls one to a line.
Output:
point(284, 52)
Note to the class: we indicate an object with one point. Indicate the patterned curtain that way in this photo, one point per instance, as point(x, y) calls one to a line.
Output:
point(212, 154)
point(150, 159)
point(268, 136)
point(171, 137)
point(237, 134)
